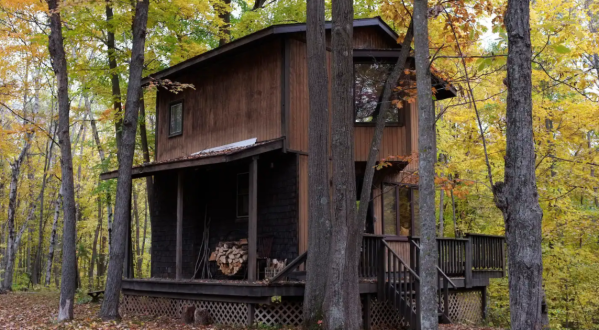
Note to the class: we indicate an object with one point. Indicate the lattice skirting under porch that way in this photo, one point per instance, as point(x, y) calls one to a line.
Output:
point(464, 307)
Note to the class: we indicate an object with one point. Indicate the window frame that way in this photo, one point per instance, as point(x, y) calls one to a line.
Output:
point(237, 195)
point(170, 105)
point(397, 236)
point(371, 59)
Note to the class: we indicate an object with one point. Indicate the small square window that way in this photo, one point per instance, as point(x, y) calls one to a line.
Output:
point(176, 119)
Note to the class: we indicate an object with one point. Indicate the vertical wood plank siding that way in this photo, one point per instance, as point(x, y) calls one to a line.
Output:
point(372, 38)
point(236, 99)
point(303, 204)
point(395, 139)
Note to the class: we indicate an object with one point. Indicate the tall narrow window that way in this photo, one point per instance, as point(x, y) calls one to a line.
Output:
point(176, 119)
point(369, 83)
point(243, 194)
point(400, 210)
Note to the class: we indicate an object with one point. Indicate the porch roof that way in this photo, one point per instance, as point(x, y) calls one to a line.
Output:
point(206, 158)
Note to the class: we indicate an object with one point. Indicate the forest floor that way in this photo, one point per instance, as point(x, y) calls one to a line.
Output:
point(37, 310)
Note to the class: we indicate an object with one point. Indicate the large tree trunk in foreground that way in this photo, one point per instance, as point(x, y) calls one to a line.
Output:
point(426, 169)
point(12, 208)
point(342, 292)
point(517, 197)
point(123, 192)
point(53, 238)
point(319, 211)
point(59, 64)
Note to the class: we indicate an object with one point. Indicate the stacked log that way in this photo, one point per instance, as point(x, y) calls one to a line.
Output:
point(230, 256)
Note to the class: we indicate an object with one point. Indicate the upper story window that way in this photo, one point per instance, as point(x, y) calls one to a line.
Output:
point(175, 119)
point(400, 210)
point(369, 82)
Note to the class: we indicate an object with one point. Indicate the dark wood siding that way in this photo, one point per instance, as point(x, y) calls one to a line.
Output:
point(396, 140)
point(372, 38)
point(235, 99)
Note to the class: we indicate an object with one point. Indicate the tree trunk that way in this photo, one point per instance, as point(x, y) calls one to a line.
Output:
point(123, 194)
point(225, 15)
point(342, 292)
point(114, 76)
point(441, 215)
point(59, 64)
point(319, 212)
point(9, 251)
point(390, 85)
point(136, 216)
point(92, 261)
point(455, 222)
point(426, 170)
point(53, 238)
point(517, 197)
point(146, 156)
point(140, 257)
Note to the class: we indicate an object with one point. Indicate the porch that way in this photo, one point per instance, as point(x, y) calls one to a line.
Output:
point(389, 287)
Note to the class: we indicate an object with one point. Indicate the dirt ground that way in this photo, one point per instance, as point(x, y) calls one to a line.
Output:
point(37, 310)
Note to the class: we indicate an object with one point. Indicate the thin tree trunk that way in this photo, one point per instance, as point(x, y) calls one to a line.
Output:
point(9, 251)
point(225, 16)
point(319, 212)
point(146, 156)
point(59, 64)
point(140, 257)
point(123, 195)
point(441, 215)
point(342, 291)
point(517, 198)
point(136, 216)
point(53, 237)
point(377, 137)
point(92, 262)
point(114, 76)
point(426, 170)
point(15, 245)
point(455, 223)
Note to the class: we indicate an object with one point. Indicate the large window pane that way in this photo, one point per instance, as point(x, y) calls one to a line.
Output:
point(389, 210)
point(370, 81)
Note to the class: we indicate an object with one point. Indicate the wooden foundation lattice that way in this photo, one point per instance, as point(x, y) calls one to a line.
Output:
point(285, 313)
point(221, 312)
point(465, 307)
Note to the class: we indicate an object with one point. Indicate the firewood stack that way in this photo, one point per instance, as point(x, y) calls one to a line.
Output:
point(230, 256)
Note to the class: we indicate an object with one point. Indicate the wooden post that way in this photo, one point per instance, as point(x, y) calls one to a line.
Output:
point(468, 263)
point(251, 312)
point(380, 265)
point(253, 219)
point(179, 253)
point(367, 311)
point(484, 301)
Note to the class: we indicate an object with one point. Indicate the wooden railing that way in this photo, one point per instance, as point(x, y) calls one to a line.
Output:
point(369, 256)
point(399, 284)
point(452, 256)
point(488, 253)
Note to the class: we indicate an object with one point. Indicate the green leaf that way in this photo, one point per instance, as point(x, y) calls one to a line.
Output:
point(561, 49)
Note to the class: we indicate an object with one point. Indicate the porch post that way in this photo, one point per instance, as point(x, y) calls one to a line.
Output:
point(253, 219)
point(179, 252)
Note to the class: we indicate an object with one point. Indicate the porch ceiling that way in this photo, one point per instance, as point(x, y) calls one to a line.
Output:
point(221, 156)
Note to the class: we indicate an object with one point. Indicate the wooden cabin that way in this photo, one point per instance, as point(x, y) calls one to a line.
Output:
point(231, 182)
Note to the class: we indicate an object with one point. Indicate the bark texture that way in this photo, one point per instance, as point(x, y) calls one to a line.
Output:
point(59, 64)
point(110, 304)
point(52, 245)
point(319, 214)
point(342, 292)
point(517, 197)
point(426, 170)
point(114, 76)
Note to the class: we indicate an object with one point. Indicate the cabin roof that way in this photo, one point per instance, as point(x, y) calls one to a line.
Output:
point(199, 159)
point(259, 35)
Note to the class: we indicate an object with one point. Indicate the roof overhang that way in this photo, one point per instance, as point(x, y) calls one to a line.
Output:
point(200, 160)
point(264, 33)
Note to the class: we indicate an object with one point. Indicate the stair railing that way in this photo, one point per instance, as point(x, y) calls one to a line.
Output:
point(399, 284)
point(442, 279)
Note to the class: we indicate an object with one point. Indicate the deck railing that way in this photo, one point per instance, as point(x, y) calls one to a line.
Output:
point(488, 253)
